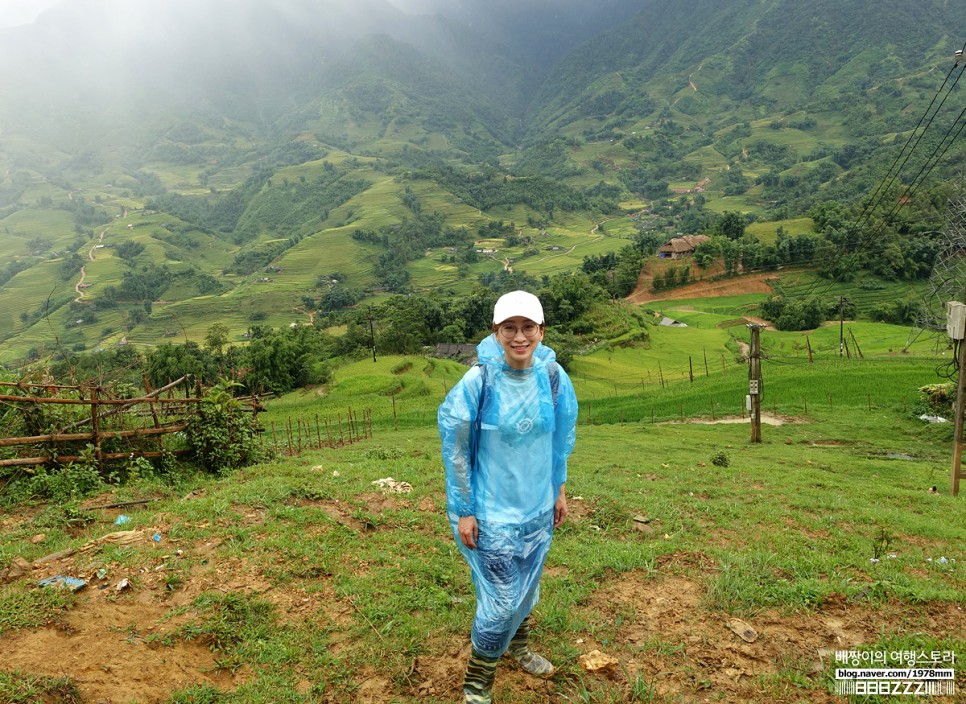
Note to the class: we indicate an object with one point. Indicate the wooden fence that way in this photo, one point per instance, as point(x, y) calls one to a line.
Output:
point(125, 428)
point(116, 428)
point(306, 433)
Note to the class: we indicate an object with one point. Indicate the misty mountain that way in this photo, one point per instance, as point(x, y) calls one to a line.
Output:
point(110, 63)
point(753, 57)
point(218, 144)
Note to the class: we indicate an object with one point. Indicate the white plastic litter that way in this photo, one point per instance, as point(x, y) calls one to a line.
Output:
point(391, 486)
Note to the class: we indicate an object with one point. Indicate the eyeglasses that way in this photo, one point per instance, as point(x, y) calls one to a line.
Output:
point(529, 330)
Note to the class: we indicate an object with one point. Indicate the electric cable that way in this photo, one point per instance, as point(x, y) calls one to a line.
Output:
point(871, 204)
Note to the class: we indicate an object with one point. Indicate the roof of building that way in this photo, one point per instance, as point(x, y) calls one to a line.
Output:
point(685, 243)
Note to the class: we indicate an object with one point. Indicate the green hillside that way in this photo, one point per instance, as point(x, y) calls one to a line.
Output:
point(430, 154)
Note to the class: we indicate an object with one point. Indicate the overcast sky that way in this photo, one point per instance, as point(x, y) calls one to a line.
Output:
point(16, 12)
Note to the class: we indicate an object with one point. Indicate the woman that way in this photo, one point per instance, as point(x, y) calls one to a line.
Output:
point(507, 429)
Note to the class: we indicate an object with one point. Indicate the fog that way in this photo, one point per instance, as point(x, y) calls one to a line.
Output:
point(118, 61)
point(19, 12)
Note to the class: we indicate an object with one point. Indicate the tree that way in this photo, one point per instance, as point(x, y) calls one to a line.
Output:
point(216, 338)
point(567, 296)
point(731, 224)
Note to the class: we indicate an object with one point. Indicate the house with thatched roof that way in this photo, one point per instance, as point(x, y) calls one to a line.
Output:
point(678, 247)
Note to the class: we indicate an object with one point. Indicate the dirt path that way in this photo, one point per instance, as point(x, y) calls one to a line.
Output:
point(79, 286)
point(100, 240)
point(593, 231)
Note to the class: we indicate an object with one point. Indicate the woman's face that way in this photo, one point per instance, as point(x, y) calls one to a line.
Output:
point(519, 337)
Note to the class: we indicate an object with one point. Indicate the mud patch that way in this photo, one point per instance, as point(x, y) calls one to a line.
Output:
point(661, 631)
point(766, 418)
point(107, 649)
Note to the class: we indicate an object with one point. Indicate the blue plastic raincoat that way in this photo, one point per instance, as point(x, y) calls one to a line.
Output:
point(506, 436)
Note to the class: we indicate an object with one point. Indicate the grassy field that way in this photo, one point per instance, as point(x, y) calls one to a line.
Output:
point(299, 580)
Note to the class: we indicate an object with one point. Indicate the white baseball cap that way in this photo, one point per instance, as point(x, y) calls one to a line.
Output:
point(518, 303)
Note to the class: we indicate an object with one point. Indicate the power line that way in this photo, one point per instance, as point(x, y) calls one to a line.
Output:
point(866, 213)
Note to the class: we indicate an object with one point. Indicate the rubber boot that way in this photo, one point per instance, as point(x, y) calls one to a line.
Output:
point(520, 651)
point(478, 681)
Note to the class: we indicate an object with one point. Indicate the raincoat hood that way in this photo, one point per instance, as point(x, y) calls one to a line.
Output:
point(490, 352)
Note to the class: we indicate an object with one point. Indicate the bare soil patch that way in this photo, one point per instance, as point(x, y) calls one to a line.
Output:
point(749, 283)
point(667, 636)
point(766, 418)
point(102, 645)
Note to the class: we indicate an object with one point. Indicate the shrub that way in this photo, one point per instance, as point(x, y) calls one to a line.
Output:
point(222, 436)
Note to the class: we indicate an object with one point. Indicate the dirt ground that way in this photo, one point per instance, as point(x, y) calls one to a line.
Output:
point(750, 283)
point(662, 632)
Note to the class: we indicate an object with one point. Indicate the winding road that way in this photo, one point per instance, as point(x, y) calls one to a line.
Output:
point(79, 287)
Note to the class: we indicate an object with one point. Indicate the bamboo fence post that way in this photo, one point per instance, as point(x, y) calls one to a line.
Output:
point(154, 412)
point(95, 427)
point(318, 433)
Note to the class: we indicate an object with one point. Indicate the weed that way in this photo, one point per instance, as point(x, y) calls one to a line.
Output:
point(222, 436)
point(59, 484)
point(22, 688)
point(720, 458)
point(228, 623)
point(881, 544)
point(65, 516)
point(384, 453)
point(20, 608)
point(196, 694)
point(792, 673)
point(173, 581)
point(641, 688)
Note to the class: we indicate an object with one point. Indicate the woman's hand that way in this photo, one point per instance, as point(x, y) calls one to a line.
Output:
point(468, 531)
point(560, 508)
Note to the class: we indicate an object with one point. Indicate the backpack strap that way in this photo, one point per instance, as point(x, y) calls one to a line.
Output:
point(553, 370)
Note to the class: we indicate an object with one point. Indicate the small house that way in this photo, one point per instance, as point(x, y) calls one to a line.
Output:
point(678, 247)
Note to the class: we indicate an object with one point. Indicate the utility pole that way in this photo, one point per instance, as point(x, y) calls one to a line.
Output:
point(754, 382)
point(372, 335)
point(958, 432)
point(956, 328)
